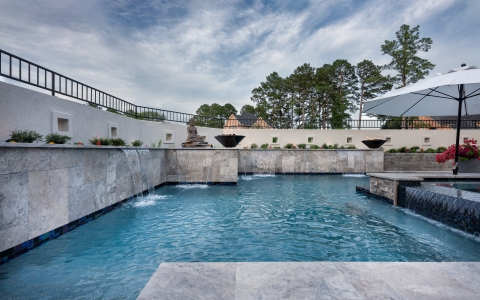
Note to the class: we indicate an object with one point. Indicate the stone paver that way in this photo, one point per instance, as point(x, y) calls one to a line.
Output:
point(314, 280)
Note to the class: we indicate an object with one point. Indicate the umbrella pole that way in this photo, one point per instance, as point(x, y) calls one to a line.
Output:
point(459, 118)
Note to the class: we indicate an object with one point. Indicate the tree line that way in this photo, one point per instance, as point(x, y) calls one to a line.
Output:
point(325, 97)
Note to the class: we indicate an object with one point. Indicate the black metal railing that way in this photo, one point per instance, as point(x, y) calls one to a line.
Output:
point(22, 70)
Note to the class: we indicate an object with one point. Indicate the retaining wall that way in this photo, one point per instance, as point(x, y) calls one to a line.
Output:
point(310, 161)
point(413, 162)
point(26, 109)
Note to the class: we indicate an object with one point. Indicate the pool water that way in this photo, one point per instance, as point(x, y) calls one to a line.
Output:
point(263, 218)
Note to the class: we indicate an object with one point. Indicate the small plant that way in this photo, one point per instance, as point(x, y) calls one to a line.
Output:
point(253, 146)
point(403, 149)
point(25, 136)
point(55, 138)
point(137, 143)
point(117, 142)
point(302, 146)
point(393, 150)
point(100, 141)
point(325, 146)
point(315, 147)
point(342, 147)
point(351, 147)
point(441, 149)
point(430, 150)
point(414, 149)
point(264, 146)
point(276, 147)
point(159, 144)
point(288, 146)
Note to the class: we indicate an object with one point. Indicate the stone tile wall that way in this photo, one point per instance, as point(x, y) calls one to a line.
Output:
point(43, 188)
point(413, 162)
point(202, 165)
point(388, 188)
point(310, 161)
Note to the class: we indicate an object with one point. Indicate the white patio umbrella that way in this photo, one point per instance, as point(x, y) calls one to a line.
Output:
point(443, 95)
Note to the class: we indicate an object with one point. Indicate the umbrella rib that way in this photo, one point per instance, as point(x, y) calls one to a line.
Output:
point(381, 103)
point(435, 90)
point(417, 102)
point(470, 95)
point(449, 97)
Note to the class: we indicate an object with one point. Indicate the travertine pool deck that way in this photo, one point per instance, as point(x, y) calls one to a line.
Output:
point(315, 280)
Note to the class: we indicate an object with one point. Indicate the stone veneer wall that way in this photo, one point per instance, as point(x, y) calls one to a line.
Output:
point(388, 188)
point(413, 162)
point(202, 165)
point(43, 188)
point(310, 161)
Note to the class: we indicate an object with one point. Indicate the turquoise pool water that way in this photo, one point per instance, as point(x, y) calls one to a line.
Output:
point(263, 218)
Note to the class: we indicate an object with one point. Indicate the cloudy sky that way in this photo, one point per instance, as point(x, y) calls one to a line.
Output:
point(177, 55)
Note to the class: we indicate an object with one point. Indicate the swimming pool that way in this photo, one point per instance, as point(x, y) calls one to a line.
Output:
point(263, 218)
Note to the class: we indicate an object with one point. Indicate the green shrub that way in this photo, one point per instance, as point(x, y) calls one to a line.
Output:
point(117, 142)
point(315, 147)
point(103, 141)
point(403, 149)
point(159, 144)
point(430, 150)
point(302, 146)
point(342, 147)
point(253, 146)
point(441, 149)
point(276, 147)
point(325, 146)
point(288, 146)
point(137, 143)
point(351, 147)
point(264, 146)
point(414, 149)
point(393, 150)
point(25, 136)
point(56, 138)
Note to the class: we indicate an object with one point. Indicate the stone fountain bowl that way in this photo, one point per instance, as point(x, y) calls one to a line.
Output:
point(229, 141)
point(374, 144)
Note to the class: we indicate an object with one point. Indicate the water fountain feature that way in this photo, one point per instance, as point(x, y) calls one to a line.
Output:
point(141, 170)
point(444, 203)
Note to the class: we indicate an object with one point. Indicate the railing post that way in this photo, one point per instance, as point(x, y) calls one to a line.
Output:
point(53, 84)
point(136, 107)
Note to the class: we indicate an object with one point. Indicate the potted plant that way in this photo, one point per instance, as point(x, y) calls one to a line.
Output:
point(468, 156)
point(25, 136)
point(55, 138)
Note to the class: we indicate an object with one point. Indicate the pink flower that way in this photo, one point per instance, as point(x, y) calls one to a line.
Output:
point(466, 151)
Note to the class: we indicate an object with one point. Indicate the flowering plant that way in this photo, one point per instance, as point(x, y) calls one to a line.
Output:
point(466, 151)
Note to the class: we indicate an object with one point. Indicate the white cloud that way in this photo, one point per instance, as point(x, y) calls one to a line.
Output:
point(179, 55)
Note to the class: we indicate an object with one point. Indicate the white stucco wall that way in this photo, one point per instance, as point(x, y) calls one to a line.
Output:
point(25, 109)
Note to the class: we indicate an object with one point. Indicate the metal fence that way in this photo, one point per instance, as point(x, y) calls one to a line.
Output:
point(22, 70)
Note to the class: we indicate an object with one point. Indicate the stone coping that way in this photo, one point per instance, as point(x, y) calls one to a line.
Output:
point(314, 280)
point(89, 146)
point(420, 176)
